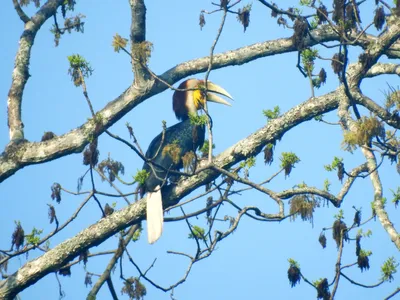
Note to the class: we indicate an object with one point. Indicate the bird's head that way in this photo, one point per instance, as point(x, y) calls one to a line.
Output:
point(195, 96)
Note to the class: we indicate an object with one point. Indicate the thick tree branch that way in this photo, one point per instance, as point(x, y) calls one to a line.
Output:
point(52, 260)
point(134, 213)
point(21, 69)
point(383, 69)
point(378, 203)
point(138, 40)
point(374, 51)
point(355, 75)
point(106, 274)
point(18, 156)
point(391, 119)
point(21, 155)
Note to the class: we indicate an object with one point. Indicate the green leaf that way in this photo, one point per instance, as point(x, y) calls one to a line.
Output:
point(141, 176)
point(33, 238)
point(335, 163)
point(389, 268)
point(293, 263)
point(327, 184)
point(272, 114)
point(340, 215)
point(198, 120)
point(198, 232)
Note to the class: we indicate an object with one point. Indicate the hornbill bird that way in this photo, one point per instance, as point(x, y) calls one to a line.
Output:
point(180, 139)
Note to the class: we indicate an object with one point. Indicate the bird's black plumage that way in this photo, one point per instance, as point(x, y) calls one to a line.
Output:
point(169, 150)
point(186, 136)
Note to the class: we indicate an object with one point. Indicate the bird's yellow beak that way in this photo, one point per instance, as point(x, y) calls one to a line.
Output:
point(213, 88)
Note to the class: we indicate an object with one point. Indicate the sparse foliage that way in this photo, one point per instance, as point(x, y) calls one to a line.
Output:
point(360, 40)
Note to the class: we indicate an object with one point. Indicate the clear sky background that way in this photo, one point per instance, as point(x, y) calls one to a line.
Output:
point(250, 264)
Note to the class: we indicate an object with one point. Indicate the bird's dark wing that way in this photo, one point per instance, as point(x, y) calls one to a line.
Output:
point(182, 137)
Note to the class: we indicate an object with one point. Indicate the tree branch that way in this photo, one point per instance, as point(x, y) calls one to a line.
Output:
point(18, 156)
point(24, 18)
point(106, 274)
point(52, 260)
point(21, 69)
point(138, 40)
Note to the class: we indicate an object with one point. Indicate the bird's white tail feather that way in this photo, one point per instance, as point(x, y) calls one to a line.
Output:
point(155, 215)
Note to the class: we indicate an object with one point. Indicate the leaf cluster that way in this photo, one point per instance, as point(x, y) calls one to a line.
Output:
point(108, 210)
point(18, 236)
point(288, 160)
point(363, 260)
point(134, 288)
point(294, 273)
point(303, 206)
point(339, 232)
point(334, 165)
point(244, 16)
point(48, 135)
point(111, 168)
point(248, 163)
point(91, 154)
point(392, 99)
point(272, 114)
point(142, 51)
point(198, 233)
point(51, 213)
point(137, 234)
point(389, 268)
point(308, 57)
point(322, 286)
point(300, 33)
point(379, 18)
point(119, 42)
point(78, 68)
point(27, 2)
point(56, 192)
point(322, 239)
point(396, 196)
point(198, 120)
point(366, 129)
point(189, 161)
point(172, 150)
point(141, 176)
point(269, 153)
point(206, 148)
point(33, 238)
point(202, 20)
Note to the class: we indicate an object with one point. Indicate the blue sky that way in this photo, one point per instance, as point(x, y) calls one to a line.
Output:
point(252, 263)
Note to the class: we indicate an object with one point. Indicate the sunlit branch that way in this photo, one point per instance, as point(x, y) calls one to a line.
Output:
point(117, 255)
point(21, 69)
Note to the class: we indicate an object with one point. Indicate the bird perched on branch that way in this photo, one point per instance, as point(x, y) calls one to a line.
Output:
point(170, 148)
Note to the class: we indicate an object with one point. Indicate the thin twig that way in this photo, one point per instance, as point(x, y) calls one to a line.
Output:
point(28, 248)
point(210, 63)
point(362, 285)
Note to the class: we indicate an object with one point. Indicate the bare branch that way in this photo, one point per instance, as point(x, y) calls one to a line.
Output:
point(24, 18)
point(21, 69)
point(134, 213)
point(24, 154)
point(106, 274)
